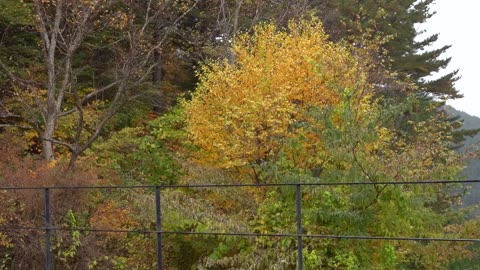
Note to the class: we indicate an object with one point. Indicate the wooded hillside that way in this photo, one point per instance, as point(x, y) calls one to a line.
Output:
point(152, 92)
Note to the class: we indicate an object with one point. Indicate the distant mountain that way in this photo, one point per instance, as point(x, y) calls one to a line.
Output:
point(473, 169)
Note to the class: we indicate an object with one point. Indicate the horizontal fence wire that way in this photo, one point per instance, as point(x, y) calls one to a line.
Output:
point(159, 231)
point(359, 237)
point(329, 236)
point(427, 182)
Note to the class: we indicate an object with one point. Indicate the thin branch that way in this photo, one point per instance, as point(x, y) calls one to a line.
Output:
point(25, 83)
point(8, 114)
point(4, 33)
point(375, 200)
point(364, 171)
point(15, 126)
point(42, 24)
point(108, 115)
point(89, 97)
point(66, 81)
point(147, 18)
point(185, 13)
point(377, 188)
point(80, 122)
point(256, 17)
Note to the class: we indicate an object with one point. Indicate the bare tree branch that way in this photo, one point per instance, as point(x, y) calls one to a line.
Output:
point(67, 145)
point(63, 26)
point(15, 126)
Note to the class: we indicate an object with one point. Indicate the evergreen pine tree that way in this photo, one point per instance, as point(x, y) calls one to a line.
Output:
point(409, 57)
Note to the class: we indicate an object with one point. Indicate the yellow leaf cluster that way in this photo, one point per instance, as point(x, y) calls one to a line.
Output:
point(241, 111)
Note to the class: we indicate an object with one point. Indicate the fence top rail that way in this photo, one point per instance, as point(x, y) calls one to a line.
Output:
point(426, 182)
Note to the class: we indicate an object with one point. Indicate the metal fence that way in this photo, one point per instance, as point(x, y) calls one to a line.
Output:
point(48, 228)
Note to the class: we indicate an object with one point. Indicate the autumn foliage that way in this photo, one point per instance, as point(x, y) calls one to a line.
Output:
point(280, 102)
point(242, 111)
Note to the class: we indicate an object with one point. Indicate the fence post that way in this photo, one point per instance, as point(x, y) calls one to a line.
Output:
point(298, 196)
point(47, 229)
point(158, 214)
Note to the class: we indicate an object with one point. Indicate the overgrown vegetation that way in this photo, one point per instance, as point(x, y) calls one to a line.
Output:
point(186, 92)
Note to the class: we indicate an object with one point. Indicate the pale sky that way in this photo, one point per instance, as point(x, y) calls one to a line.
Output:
point(458, 23)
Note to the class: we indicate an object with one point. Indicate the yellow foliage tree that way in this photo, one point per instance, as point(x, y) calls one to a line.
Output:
point(242, 111)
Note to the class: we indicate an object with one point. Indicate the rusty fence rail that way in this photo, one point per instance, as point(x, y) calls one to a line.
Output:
point(48, 228)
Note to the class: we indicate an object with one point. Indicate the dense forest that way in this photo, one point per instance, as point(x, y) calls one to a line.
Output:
point(154, 92)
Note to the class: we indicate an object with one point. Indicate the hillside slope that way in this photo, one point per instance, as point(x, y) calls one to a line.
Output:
point(472, 171)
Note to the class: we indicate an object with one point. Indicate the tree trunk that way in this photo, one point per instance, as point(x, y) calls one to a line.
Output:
point(47, 136)
point(73, 159)
point(157, 76)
